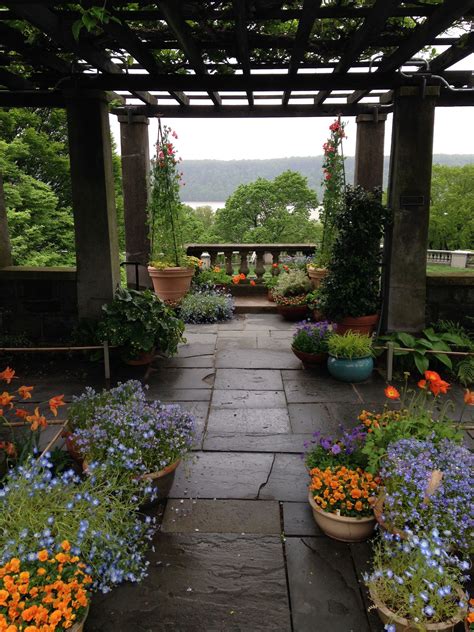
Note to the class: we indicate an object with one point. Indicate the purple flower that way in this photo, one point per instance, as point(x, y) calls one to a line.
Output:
point(336, 448)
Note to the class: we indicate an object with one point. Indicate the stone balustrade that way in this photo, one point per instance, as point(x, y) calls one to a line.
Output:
point(439, 256)
point(237, 258)
point(453, 258)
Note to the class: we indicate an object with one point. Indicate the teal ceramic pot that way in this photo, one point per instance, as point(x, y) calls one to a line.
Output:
point(356, 370)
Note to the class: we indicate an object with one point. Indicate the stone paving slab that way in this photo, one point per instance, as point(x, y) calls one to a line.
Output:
point(265, 341)
point(200, 412)
point(200, 338)
point(241, 343)
point(195, 349)
point(325, 595)
point(255, 379)
point(191, 362)
point(267, 321)
point(182, 378)
point(165, 394)
point(248, 399)
point(256, 359)
point(361, 555)
point(298, 520)
point(222, 516)
point(208, 328)
point(242, 420)
point(222, 475)
point(309, 418)
point(290, 443)
point(202, 583)
point(237, 334)
point(307, 390)
point(287, 480)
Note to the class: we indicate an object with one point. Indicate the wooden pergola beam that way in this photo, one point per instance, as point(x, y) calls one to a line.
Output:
point(440, 20)
point(305, 26)
point(241, 33)
point(361, 38)
point(463, 48)
point(256, 82)
point(13, 81)
point(178, 25)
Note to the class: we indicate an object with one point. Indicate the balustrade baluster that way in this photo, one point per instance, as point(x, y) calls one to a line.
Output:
point(213, 254)
point(276, 259)
point(244, 264)
point(229, 268)
point(259, 267)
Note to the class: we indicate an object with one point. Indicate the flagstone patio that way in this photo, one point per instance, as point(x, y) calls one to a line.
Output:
point(238, 548)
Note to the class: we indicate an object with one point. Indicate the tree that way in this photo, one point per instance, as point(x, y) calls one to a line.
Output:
point(269, 211)
point(452, 208)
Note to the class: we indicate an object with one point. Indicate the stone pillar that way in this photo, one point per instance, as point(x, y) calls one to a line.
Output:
point(95, 218)
point(5, 245)
point(135, 181)
point(406, 241)
point(368, 170)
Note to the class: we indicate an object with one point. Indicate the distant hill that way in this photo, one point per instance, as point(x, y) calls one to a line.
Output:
point(215, 180)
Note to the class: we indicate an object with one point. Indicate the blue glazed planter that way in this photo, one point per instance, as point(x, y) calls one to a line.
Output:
point(356, 370)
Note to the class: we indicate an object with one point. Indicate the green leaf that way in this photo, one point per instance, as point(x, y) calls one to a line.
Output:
point(401, 353)
point(424, 343)
point(76, 29)
point(407, 339)
point(430, 334)
point(454, 339)
point(446, 360)
point(422, 363)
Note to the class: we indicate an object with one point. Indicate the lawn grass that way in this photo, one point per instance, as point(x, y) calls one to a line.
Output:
point(436, 268)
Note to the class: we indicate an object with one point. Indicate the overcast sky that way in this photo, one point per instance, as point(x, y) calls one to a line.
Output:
point(228, 139)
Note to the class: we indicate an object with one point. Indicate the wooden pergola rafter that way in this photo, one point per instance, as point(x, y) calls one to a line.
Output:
point(201, 54)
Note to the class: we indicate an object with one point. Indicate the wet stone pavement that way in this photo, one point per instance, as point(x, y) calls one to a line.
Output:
point(237, 549)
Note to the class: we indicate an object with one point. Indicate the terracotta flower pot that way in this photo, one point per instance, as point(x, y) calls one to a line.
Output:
point(317, 275)
point(377, 506)
point(404, 625)
point(142, 359)
point(310, 360)
point(361, 325)
point(293, 312)
point(161, 481)
point(270, 296)
point(342, 528)
point(72, 448)
point(79, 626)
point(171, 284)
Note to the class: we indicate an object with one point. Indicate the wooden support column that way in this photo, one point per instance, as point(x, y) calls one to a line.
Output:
point(95, 218)
point(5, 245)
point(409, 198)
point(135, 181)
point(368, 171)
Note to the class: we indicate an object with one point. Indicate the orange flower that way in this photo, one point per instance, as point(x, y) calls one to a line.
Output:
point(422, 384)
point(43, 555)
point(6, 399)
point(217, 269)
point(286, 268)
point(242, 276)
point(252, 282)
point(236, 279)
point(37, 420)
point(439, 386)
point(391, 392)
point(469, 397)
point(8, 375)
point(65, 545)
point(432, 376)
point(275, 265)
point(55, 402)
point(21, 412)
point(24, 391)
point(358, 506)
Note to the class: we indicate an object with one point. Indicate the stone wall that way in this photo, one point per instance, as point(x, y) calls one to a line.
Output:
point(450, 297)
point(40, 302)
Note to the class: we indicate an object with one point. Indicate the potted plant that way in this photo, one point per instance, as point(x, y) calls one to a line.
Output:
point(350, 294)
point(215, 278)
point(416, 584)
point(290, 294)
point(96, 514)
point(425, 484)
point(350, 356)
point(206, 306)
point(140, 323)
point(310, 343)
point(170, 269)
point(270, 282)
point(154, 437)
point(44, 581)
point(329, 451)
point(339, 497)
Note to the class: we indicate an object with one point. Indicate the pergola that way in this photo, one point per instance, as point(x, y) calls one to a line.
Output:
point(239, 58)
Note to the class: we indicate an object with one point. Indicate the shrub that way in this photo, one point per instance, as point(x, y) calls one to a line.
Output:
point(293, 283)
point(351, 287)
point(206, 307)
point(350, 345)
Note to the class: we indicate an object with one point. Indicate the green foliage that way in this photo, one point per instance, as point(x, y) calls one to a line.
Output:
point(350, 345)
point(292, 283)
point(266, 211)
point(430, 340)
point(351, 287)
point(138, 321)
point(212, 277)
point(452, 208)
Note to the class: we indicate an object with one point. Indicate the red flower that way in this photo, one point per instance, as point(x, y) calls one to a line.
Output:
point(252, 282)
point(422, 384)
point(432, 376)
point(469, 397)
point(391, 392)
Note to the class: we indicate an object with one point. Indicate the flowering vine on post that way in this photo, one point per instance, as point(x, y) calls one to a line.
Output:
point(333, 186)
point(165, 205)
